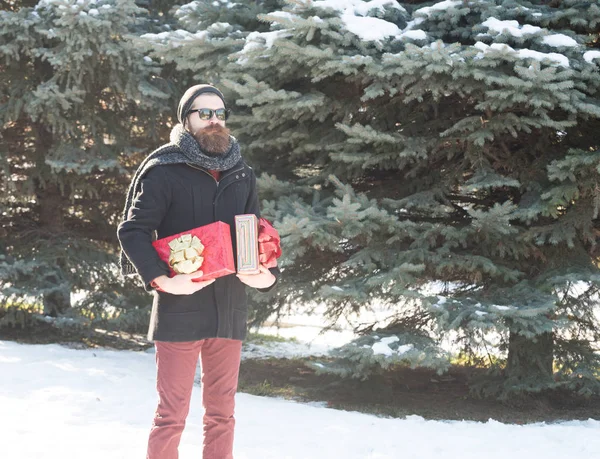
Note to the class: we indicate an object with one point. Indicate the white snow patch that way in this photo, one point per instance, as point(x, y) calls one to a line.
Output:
point(354, 16)
point(481, 46)
point(358, 6)
point(381, 348)
point(103, 402)
point(282, 350)
point(414, 34)
point(558, 58)
point(413, 23)
point(591, 55)
point(339, 289)
point(404, 349)
point(175, 38)
point(440, 6)
point(559, 40)
point(255, 39)
point(389, 339)
point(225, 3)
point(310, 334)
point(503, 308)
point(561, 59)
point(511, 27)
point(283, 14)
point(481, 313)
point(370, 29)
point(363, 8)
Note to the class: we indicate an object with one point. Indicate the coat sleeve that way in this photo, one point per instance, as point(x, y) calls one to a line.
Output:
point(147, 211)
point(252, 207)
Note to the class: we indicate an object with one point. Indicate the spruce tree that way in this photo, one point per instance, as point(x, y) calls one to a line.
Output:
point(302, 80)
point(79, 105)
point(194, 41)
point(442, 159)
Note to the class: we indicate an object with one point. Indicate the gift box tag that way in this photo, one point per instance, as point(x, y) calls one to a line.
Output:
point(246, 233)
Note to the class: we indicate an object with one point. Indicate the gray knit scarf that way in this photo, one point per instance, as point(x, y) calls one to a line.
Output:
point(183, 148)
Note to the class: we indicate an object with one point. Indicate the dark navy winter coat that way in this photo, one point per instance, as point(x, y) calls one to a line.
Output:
point(178, 197)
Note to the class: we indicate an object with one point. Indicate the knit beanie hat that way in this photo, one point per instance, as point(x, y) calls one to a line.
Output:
point(186, 101)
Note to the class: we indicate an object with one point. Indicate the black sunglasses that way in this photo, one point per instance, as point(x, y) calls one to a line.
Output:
point(207, 113)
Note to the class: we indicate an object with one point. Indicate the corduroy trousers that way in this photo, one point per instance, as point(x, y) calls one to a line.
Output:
point(175, 371)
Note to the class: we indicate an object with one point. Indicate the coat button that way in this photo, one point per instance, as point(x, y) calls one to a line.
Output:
point(244, 174)
point(237, 176)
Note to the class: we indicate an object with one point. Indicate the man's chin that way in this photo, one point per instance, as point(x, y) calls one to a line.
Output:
point(214, 145)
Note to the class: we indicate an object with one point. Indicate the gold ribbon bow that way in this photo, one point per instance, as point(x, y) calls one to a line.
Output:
point(185, 256)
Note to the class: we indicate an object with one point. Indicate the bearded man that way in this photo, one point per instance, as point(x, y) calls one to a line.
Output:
point(198, 178)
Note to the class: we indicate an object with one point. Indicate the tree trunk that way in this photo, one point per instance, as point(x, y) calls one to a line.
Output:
point(56, 303)
point(530, 362)
point(51, 220)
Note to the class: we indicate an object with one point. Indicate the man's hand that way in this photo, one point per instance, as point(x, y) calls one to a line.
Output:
point(181, 284)
point(263, 279)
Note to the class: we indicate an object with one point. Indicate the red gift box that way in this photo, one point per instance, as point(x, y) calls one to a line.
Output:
point(217, 253)
point(269, 243)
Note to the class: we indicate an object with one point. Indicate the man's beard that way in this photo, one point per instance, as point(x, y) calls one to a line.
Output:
point(213, 140)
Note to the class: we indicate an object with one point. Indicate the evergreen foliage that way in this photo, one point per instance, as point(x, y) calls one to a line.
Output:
point(193, 43)
point(78, 104)
point(447, 147)
point(436, 159)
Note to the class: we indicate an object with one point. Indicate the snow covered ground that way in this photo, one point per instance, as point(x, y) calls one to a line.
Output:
point(306, 337)
point(61, 403)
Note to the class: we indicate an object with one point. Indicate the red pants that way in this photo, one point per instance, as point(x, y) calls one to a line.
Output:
point(175, 368)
